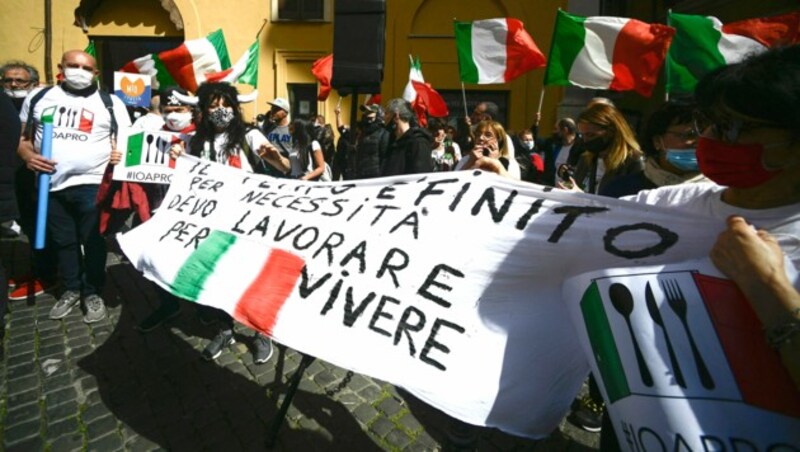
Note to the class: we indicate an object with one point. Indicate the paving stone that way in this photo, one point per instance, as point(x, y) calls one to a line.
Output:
point(60, 396)
point(348, 399)
point(22, 384)
point(19, 415)
point(100, 427)
point(25, 445)
point(410, 422)
point(58, 380)
point(21, 370)
point(94, 412)
point(62, 411)
point(381, 426)
point(370, 392)
point(23, 337)
point(364, 413)
point(69, 443)
point(23, 398)
point(107, 443)
point(21, 432)
point(20, 348)
point(68, 426)
point(52, 350)
point(52, 339)
point(398, 438)
point(390, 406)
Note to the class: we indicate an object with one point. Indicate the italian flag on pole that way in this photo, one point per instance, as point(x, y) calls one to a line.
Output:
point(703, 44)
point(613, 53)
point(205, 276)
point(495, 50)
point(185, 65)
point(245, 70)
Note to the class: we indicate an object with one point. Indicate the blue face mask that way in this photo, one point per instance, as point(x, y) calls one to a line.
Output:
point(683, 159)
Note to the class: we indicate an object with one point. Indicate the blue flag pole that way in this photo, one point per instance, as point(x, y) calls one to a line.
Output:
point(44, 179)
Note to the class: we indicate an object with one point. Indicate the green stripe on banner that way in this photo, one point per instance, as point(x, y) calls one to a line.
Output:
point(134, 155)
point(200, 265)
point(693, 52)
point(468, 71)
point(217, 39)
point(569, 38)
point(603, 345)
point(162, 74)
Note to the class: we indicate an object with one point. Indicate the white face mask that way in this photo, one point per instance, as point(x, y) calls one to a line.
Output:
point(78, 78)
point(17, 93)
point(177, 120)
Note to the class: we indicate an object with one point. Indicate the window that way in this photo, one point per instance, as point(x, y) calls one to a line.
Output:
point(303, 99)
point(301, 10)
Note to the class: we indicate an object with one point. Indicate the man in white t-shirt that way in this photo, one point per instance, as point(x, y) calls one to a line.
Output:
point(276, 128)
point(82, 144)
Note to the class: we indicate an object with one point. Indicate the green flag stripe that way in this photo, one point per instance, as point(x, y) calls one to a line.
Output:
point(466, 65)
point(134, 155)
point(603, 344)
point(47, 115)
point(200, 265)
point(217, 39)
point(694, 51)
point(569, 36)
point(250, 74)
point(163, 76)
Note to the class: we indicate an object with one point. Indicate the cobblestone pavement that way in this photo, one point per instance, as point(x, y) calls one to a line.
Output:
point(65, 386)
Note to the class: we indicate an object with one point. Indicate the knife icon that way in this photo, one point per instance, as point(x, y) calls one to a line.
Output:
point(655, 314)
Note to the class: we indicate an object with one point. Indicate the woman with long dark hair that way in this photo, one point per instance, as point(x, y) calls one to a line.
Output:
point(307, 160)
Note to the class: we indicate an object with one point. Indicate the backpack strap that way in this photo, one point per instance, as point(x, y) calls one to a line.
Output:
point(110, 107)
point(29, 122)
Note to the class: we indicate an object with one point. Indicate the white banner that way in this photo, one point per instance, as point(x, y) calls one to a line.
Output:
point(682, 359)
point(447, 284)
point(146, 155)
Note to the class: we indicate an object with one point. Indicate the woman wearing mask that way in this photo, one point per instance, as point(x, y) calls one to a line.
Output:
point(223, 136)
point(307, 161)
point(611, 150)
point(669, 143)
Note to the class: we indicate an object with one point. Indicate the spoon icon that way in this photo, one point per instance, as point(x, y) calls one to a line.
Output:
point(622, 300)
point(149, 140)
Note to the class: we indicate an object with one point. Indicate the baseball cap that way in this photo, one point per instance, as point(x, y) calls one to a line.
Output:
point(168, 97)
point(280, 103)
point(371, 108)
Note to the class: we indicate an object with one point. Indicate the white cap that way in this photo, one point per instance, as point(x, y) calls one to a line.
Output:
point(280, 103)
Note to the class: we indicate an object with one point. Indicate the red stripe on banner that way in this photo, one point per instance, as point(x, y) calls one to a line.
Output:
point(769, 31)
point(639, 53)
point(522, 53)
point(259, 305)
point(762, 378)
point(178, 62)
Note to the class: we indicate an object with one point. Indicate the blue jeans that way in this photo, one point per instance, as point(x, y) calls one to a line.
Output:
point(72, 222)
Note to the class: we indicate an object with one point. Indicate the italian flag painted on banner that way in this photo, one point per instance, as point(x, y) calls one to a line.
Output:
point(613, 53)
point(204, 277)
point(244, 71)
point(703, 44)
point(495, 50)
point(185, 65)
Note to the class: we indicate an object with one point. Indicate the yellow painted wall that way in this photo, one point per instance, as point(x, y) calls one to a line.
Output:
point(289, 48)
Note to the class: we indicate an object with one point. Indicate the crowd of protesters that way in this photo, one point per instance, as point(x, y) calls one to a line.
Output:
point(732, 152)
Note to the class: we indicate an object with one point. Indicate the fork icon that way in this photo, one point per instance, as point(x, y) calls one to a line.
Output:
point(677, 302)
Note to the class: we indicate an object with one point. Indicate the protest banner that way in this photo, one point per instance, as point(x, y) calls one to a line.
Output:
point(133, 89)
point(146, 156)
point(447, 284)
point(683, 361)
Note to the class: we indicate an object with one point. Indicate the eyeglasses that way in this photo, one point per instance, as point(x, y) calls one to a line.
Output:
point(689, 135)
point(727, 129)
point(18, 81)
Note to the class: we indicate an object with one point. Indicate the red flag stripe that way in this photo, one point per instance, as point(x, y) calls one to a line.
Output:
point(639, 52)
point(522, 54)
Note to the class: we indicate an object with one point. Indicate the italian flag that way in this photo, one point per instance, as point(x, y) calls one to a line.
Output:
point(613, 53)
point(703, 44)
point(423, 98)
point(185, 65)
point(495, 50)
point(245, 70)
point(206, 274)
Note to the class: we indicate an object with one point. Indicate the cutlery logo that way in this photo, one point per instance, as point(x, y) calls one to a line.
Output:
point(683, 335)
point(150, 148)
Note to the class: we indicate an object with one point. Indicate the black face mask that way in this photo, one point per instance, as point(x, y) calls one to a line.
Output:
point(595, 146)
point(366, 121)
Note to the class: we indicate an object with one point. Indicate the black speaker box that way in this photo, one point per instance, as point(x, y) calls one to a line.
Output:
point(359, 28)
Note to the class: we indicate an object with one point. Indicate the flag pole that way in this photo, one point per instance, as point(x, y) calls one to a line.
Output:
point(464, 97)
point(666, 63)
point(255, 101)
point(541, 102)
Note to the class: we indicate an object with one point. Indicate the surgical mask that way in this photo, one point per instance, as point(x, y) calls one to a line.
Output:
point(527, 144)
point(683, 159)
point(78, 78)
point(733, 165)
point(17, 93)
point(221, 117)
point(177, 120)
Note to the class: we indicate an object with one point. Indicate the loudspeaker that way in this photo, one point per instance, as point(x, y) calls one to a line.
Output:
point(359, 28)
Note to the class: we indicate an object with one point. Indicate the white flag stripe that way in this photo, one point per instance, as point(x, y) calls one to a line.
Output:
point(204, 58)
point(238, 69)
point(592, 67)
point(489, 49)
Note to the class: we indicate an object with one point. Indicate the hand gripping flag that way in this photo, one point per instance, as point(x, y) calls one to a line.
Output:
point(613, 53)
point(185, 65)
point(703, 44)
point(495, 50)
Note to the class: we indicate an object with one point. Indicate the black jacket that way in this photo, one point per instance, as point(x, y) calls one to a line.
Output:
point(10, 128)
point(364, 161)
point(409, 154)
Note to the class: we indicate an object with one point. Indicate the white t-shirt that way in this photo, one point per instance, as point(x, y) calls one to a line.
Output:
point(563, 154)
point(254, 139)
point(706, 198)
point(81, 134)
point(297, 165)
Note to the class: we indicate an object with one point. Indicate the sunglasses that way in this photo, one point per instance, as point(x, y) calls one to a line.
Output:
point(689, 135)
point(721, 128)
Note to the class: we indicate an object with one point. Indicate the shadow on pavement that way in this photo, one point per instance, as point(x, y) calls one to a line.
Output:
point(161, 389)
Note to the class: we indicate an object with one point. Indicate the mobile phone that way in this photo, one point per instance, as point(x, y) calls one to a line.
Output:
point(486, 152)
